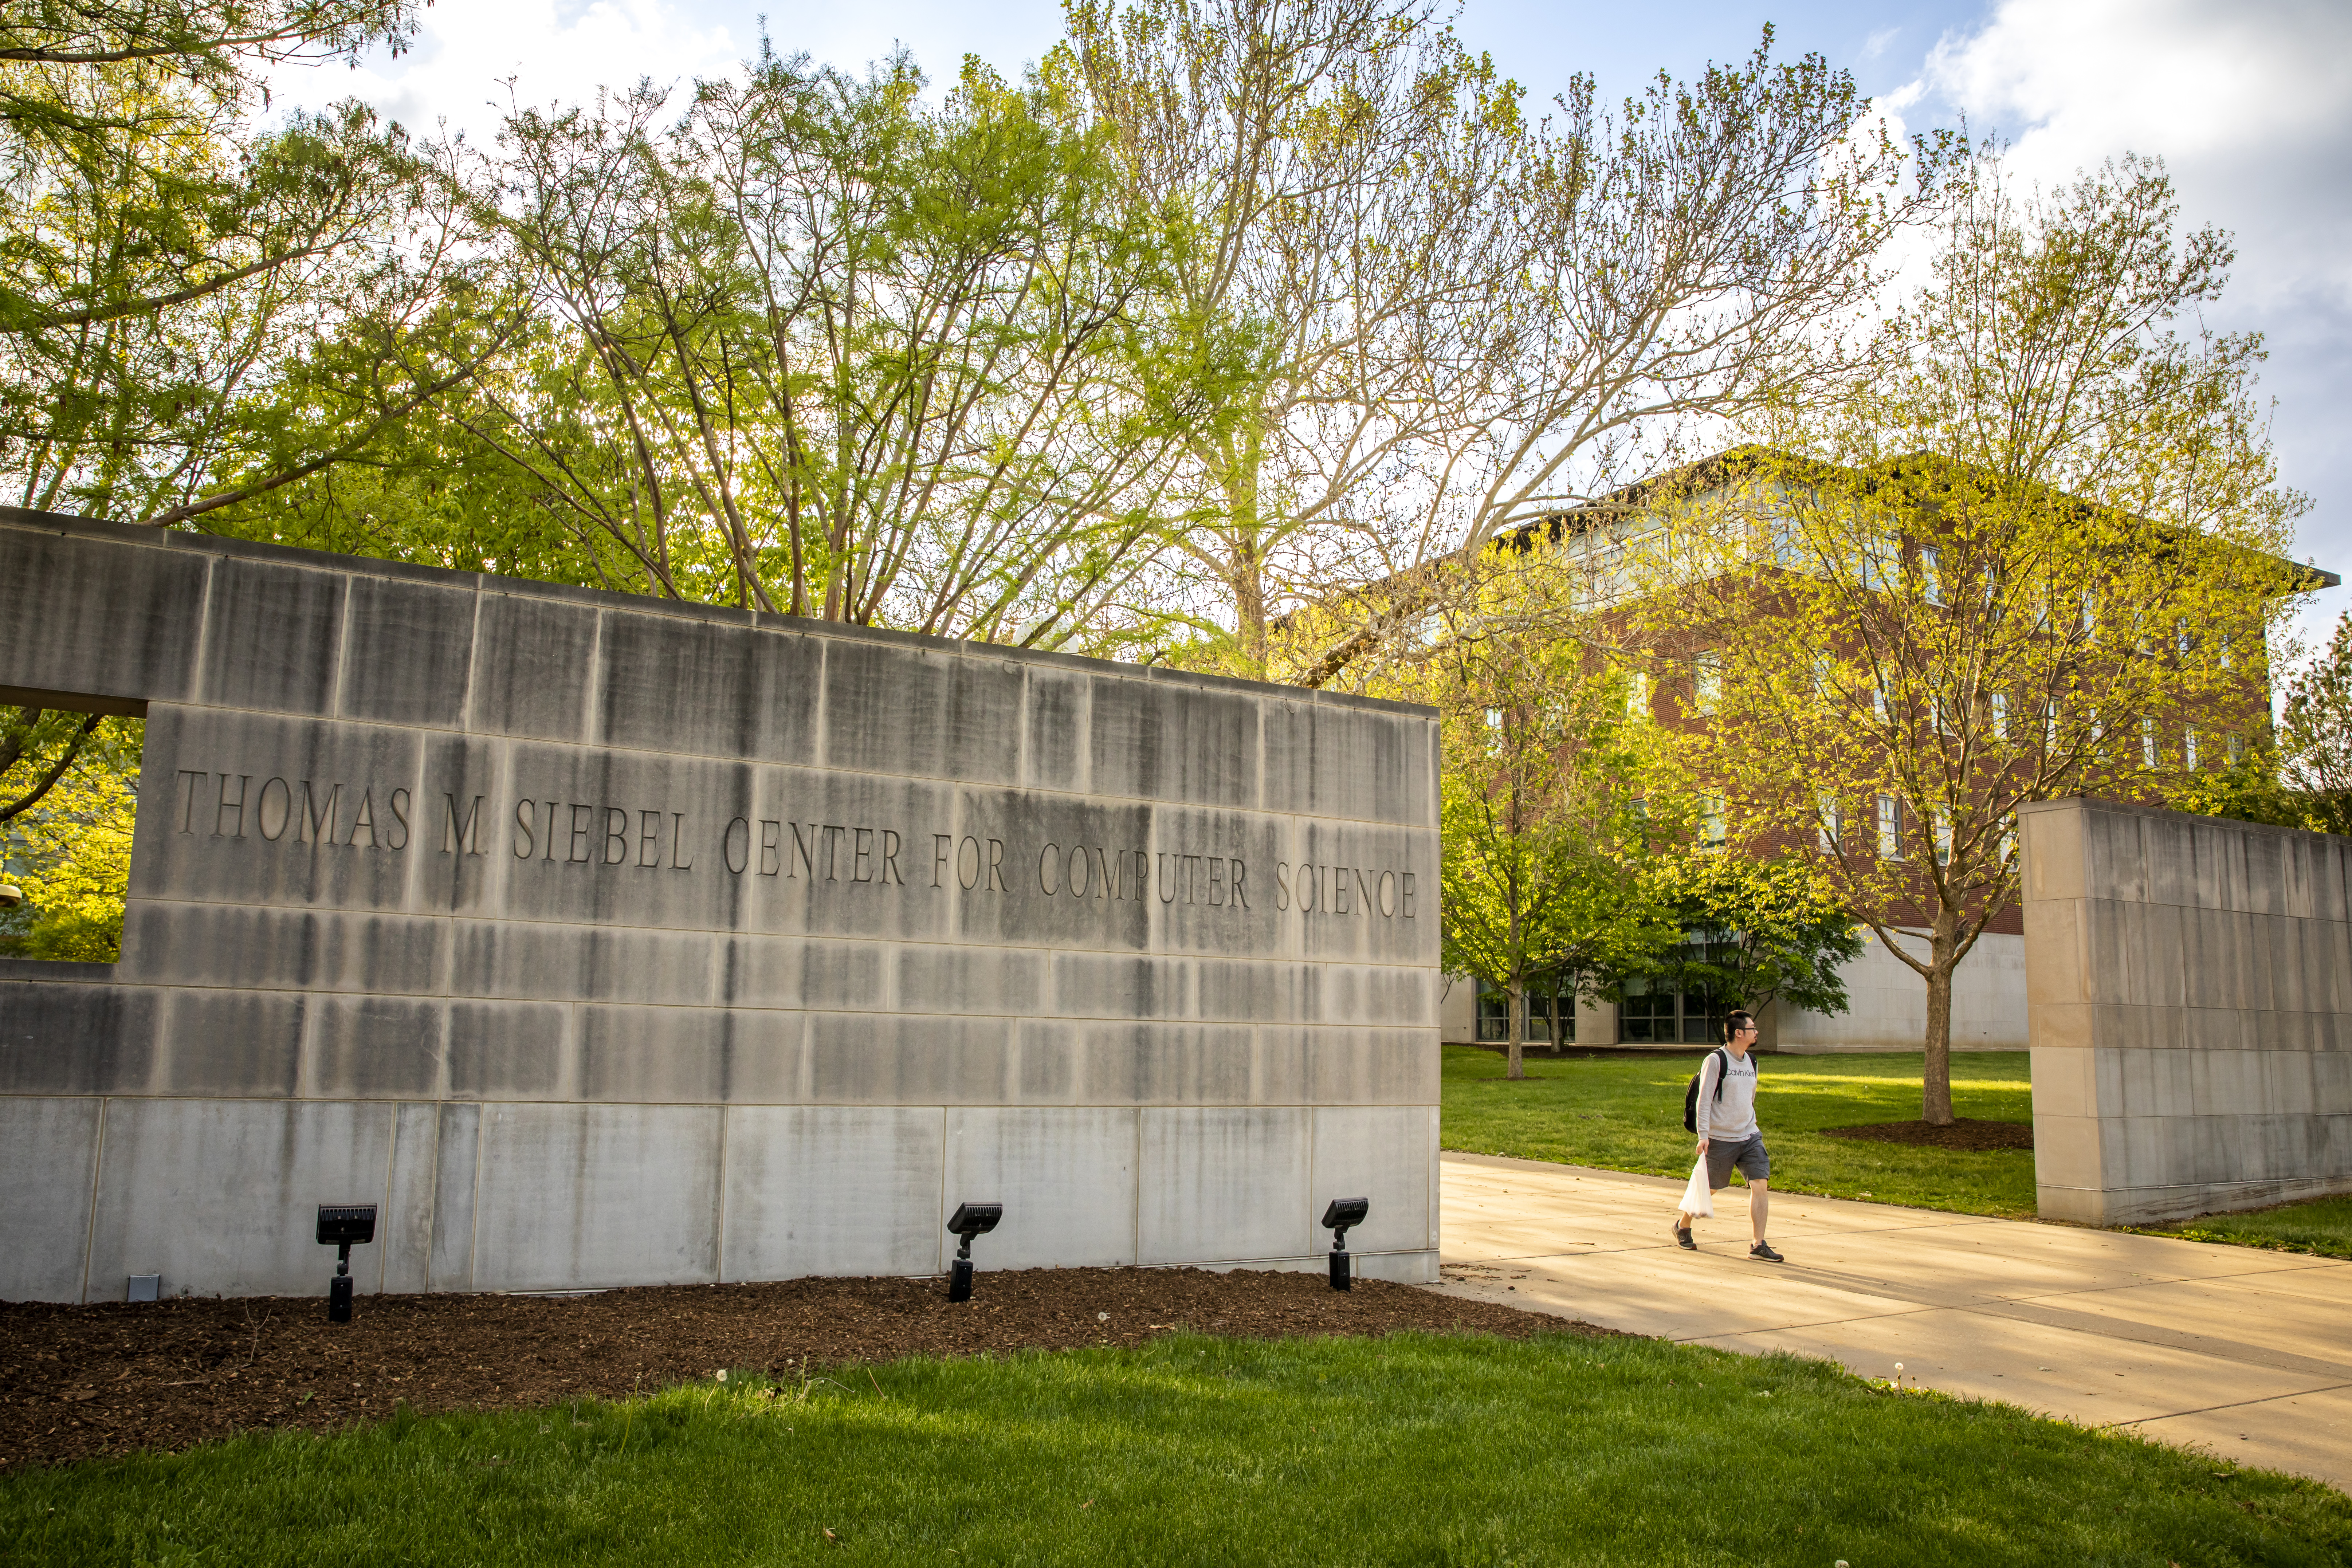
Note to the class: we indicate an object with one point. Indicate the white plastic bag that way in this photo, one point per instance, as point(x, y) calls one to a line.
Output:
point(1696, 1198)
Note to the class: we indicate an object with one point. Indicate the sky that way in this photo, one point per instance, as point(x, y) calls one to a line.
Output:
point(2248, 102)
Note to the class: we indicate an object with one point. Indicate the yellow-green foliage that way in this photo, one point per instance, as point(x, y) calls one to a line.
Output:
point(71, 852)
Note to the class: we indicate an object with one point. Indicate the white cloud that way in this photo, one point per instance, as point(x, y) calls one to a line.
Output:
point(553, 49)
point(2248, 102)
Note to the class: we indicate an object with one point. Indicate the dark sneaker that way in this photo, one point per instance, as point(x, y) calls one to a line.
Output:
point(1683, 1238)
point(1763, 1252)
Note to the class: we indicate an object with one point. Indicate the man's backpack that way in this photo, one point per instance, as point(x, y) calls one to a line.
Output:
point(1690, 1095)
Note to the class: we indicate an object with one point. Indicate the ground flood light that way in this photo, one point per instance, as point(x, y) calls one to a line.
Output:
point(968, 1221)
point(1342, 1213)
point(343, 1226)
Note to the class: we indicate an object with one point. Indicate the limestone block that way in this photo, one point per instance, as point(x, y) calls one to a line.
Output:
point(2053, 928)
point(1387, 1155)
point(1011, 867)
point(708, 684)
point(534, 660)
point(49, 1152)
point(1173, 739)
point(220, 1197)
point(1066, 1177)
point(403, 1231)
point(1333, 759)
point(510, 1050)
point(1121, 985)
point(253, 809)
point(859, 1058)
point(1165, 1064)
point(953, 714)
point(273, 636)
point(623, 1194)
point(2051, 851)
point(375, 1047)
point(2115, 856)
point(796, 971)
point(655, 1054)
point(57, 1038)
point(2067, 1150)
point(933, 979)
point(1054, 705)
point(2071, 1206)
point(546, 961)
point(107, 621)
point(408, 652)
point(2064, 1082)
point(1224, 1184)
point(2264, 887)
point(177, 943)
point(237, 1043)
point(2061, 1026)
point(834, 1190)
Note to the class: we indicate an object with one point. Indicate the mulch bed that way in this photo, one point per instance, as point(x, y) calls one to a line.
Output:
point(76, 1381)
point(1966, 1133)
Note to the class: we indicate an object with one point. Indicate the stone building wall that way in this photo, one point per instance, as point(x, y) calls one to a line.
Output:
point(2190, 988)
point(603, 940)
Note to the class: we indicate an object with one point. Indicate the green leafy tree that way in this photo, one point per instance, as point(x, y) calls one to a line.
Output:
point(2314, 737)
point(2037, 552)
point(69, 799)
point(1539, 805)
point(1754, 931)
point(164, 263)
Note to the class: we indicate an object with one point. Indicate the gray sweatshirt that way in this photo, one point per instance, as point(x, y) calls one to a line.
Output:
point(1734, 1117)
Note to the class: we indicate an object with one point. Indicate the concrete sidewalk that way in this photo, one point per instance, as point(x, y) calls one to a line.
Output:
point(2244, 1352)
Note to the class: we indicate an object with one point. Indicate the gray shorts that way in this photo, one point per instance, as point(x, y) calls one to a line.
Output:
point(1749, 1157)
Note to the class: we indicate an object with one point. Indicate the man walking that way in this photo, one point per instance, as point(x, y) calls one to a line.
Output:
point(1728, 1138)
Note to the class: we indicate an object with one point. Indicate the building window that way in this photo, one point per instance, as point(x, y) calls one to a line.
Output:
point(1878, 704)
point(1943, 838)
point(2090, 616)
point(1931, 574)
point(1650, 1016)
point(1707, 682)
point(1825, 809)
point(2234, 748)
point(1637, 695)
point(2147, 742)
point(1710, 822)
point(1549, 1016)
point(1887, 842)
point(2001, 715)
point(2188, 749)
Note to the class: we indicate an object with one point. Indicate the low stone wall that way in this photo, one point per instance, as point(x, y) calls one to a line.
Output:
point(602, 940)
point(2189, 989)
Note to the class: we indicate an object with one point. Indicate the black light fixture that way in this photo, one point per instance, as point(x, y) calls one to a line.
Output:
point(968, 1221)
point(1343, 1213)
point(343, 1226)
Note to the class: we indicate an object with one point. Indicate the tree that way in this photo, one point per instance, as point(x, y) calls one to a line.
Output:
point(68, 798)
point(1539, 805)
point(2314, 736)
point(161, 261)
point(2036, 553)
point(1338, 176)
point(1753, 930)
point(1681, 261)
point(816, 348)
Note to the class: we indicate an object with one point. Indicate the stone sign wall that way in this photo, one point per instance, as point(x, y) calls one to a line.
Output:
point(2189, 990)
point(602, 941)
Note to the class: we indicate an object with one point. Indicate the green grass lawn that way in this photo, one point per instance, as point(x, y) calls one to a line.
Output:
point(1626, 1114)
point(2321, 1225)
point(1421, 1449)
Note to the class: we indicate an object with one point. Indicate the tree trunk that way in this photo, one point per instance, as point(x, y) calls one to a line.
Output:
point(1516, 1029)
point(1936, 1087)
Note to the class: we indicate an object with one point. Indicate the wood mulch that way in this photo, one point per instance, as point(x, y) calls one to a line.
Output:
point(77, 1382)
point(1965, 1133)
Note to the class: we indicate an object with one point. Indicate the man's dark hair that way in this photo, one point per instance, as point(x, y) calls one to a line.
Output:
point(1738, 1018)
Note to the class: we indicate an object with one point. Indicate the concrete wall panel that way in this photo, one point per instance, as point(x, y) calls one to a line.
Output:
point(624, 1194)
point(48, 1147)
point(834, 1190)
point(2190, 1013)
